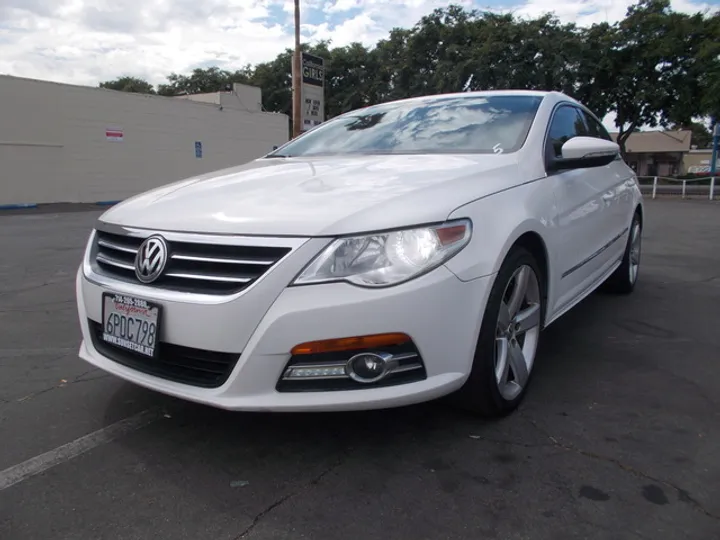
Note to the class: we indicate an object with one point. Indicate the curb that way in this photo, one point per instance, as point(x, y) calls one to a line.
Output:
point(17, 206)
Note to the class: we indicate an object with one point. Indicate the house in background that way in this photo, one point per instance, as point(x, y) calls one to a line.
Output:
point(657, 153)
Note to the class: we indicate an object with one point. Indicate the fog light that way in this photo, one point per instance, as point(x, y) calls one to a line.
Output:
point(368, 367)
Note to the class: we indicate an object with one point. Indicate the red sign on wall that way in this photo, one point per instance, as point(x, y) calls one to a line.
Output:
point(114, 134)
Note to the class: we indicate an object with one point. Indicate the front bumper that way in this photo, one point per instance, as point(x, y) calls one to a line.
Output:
point(440, 313)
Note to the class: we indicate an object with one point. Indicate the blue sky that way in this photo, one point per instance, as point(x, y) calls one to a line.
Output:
point(87, 41)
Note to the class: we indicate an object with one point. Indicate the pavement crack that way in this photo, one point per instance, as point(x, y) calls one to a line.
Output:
point(42, 307)
point(265, 512)
point(282, 500)
point(692, 281)
point(63, 383)
point(46, 311)
point(683, 494)
point(38, 393)
point(510, 442)
point(34, 287)
point(81, 377)
point(699, 389)
point(91, 379)
point(12, 354)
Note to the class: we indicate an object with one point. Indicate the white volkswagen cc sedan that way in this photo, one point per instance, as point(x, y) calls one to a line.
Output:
point(392, 255)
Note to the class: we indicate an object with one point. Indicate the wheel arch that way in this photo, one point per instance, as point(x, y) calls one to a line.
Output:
point(532, 241)
point(640, 213)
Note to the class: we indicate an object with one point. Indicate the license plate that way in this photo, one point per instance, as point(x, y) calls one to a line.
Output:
point(131, 323)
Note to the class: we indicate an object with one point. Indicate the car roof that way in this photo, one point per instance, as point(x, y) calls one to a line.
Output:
point(551, 95)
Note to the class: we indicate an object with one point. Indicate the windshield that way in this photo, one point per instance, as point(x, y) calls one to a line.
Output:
point(455, 124)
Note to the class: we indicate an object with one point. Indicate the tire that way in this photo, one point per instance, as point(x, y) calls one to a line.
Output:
point(624, 278)
point(493, 388)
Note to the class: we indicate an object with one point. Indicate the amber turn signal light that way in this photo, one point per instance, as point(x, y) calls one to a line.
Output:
point(350, 343)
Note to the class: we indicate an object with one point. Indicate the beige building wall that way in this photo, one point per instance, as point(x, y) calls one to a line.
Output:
point(698, 161)
point(54, 145)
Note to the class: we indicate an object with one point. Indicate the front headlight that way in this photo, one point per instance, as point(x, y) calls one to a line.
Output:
point(383, 259)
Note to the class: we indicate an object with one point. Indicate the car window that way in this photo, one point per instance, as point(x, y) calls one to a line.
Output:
point(595, 128)
point(434, 125)
point(566, 124)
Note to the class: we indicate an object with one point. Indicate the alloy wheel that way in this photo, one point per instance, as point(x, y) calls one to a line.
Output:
point(517, 332)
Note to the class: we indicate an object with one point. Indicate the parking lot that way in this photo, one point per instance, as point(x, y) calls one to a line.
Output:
point(619, 436)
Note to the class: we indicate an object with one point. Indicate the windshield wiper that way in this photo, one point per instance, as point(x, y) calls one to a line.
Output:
point(276, 156)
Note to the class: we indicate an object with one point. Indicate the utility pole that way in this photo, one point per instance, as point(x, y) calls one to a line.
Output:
point(715, 145)
point(297, 76)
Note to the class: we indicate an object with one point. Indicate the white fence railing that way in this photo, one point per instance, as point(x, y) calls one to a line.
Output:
point(682, 185)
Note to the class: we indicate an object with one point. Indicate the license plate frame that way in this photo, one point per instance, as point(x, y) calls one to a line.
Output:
point(132, 303)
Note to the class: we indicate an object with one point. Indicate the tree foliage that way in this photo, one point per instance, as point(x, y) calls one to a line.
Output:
point(202, 81)
point(129, 84)
point(656, 67)
point(701, 135)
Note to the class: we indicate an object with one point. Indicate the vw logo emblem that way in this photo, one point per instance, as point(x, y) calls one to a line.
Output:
point(151, 259)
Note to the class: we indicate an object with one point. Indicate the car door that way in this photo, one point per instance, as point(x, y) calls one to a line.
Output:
point(584, 199)
point(619, 196)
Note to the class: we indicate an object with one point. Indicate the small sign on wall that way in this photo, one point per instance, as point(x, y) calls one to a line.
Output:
point(114, 134)
point(198, 149)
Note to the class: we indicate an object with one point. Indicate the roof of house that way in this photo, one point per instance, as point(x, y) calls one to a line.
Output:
point(641, 142)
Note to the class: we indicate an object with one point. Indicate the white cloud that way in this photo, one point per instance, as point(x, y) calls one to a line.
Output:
point(361, 28)
point(338, 6)
point(587, 12)
point(87, 41)
point(289, 5)
point(376, 19)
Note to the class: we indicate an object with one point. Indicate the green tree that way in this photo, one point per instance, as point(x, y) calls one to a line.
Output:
point(595, 68)
point(393, 73)
point(708, 68)
point(653, 67)
point(438, 52)
point(275, 79)
point(453, 50)
point(129, 84)
point(350, 77)
point(539, 54)
point(701, 135)
point(203, 81)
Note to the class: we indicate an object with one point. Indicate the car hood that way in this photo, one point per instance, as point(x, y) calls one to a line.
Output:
point(319, 196)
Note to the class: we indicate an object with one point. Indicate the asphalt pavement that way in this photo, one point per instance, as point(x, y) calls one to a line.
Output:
point(619, 436)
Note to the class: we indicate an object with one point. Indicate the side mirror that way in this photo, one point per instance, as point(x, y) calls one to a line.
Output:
point(585, 152)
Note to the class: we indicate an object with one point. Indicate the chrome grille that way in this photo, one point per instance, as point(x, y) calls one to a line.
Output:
point(192, 267)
